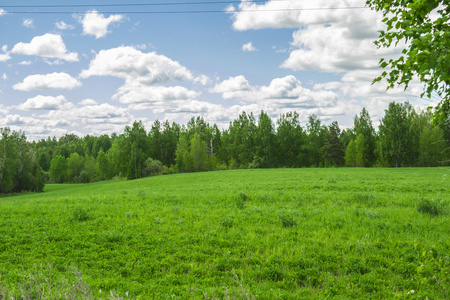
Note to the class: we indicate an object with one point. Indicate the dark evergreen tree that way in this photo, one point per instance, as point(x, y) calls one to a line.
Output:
point(333, 149)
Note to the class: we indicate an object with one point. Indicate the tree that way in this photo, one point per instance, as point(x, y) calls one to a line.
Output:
point(75, 164)
point(395, 138)
point(290, 139)
point(432, 146)
point(363, 126)
point(315, 141)
point(360, 151)
point(350, 154)
point(58, 169)
point(265, 140)
point(183, 158)
point(198, 153)
point(427, 52)
point(333, 150)
point(104, 165)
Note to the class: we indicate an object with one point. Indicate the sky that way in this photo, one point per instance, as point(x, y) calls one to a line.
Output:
point(95, 67)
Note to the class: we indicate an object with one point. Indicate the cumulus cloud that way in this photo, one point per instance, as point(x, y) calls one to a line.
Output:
point(232, 87)
point(137, 93)
point(48, 46)
point(62, 81)
point(202, 79)
point(327, 40)
point(16, 120)
point(25, 63)
point(86, 102)
point(98, 117)
point(248, 47)
point(61, 116)
point(131, 64)
point(63, 26)
point(286, 92)
point(96, 24)
point(146, 75)
point(5, 56)
point(4, 76)
point(28, 23)
point(4, 110)
point(45, 103)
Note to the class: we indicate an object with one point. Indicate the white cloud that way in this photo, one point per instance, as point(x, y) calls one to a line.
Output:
point(6, 56)
point(233, 87)
point(286, 92)
point(45, 103)
point(336, 40)
point(4, 110)
point(28, 23)
point(202, 79)
point(146, 75)
point(48, 46)
point(137, 93)
point(16, 120)
point(133, 65)
point(4, 76)
point(248, 47)
point(63, 26)
point(86, 102)
point(292, 14)
point(25, 63)
point(2, 12)
point(95, 116)
point(55, 80)
point(96, 24)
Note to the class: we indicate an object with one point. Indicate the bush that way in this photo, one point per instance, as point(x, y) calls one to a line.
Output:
point(152, 167)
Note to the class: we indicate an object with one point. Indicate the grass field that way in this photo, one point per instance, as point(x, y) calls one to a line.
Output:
point(243, 234)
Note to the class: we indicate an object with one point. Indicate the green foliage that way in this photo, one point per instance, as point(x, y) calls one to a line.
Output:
point(152, 167)
point(19, 168)
point(424, 27)
point(58, 169)
point(333, 149)
point(395, 137)
point(350, 154)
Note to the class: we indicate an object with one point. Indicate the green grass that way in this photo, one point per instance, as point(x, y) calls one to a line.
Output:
point(264, 234)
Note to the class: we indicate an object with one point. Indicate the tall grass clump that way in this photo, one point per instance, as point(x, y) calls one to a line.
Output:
point(432, 207)
point(80, 214)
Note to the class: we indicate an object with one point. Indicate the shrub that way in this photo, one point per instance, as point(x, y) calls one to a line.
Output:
point(152, 167)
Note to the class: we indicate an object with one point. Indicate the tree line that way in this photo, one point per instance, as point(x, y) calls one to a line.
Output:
point(405, 138)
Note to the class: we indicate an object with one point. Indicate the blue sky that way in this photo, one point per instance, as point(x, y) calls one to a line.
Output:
point(95, 69)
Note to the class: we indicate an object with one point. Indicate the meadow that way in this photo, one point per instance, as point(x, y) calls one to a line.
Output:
point(337, 233)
